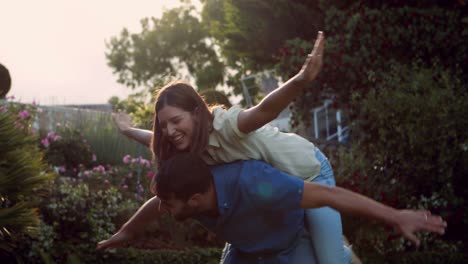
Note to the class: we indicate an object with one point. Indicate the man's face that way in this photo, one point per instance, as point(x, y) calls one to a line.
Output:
point(179, 209)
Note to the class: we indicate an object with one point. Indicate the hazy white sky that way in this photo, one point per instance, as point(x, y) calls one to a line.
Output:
point(55, 49)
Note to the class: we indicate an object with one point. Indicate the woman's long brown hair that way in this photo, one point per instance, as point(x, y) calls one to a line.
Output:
point(181, 95)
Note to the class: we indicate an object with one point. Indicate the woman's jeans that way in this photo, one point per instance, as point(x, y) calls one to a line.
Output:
point(324, 223)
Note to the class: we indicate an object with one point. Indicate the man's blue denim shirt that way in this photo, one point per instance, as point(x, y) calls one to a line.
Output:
point(259, 207)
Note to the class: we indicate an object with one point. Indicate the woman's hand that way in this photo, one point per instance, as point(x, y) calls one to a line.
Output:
point(313, 63)
point(122, 121)
point(409, 221)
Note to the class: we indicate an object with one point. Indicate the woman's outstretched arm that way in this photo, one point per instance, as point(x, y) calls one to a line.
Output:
point(270, 107)
point(124, 124)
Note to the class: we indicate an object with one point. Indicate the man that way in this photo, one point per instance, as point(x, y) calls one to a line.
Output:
point(257, 209)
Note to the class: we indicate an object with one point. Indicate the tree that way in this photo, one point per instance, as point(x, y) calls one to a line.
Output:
point(250, 33)
point(163, 49)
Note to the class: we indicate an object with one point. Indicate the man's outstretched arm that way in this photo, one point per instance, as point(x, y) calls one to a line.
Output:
point(405, 222)
point(147, 213)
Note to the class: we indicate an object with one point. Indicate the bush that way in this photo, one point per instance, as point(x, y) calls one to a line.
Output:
point(75, 218)
point(22, 173)
point(68, 149)
point(409, 148)
point(360, 44)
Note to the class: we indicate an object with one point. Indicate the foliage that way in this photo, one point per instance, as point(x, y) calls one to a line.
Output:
point(22, 173)
point(409, 149)
point(192, 255)
point(250, 33)
point(67, 148)
point(214, 97)
point(75, 219)
point(164, 47)
point(361, 42)
point(142, 113)
point(5, 81)
point(131, 178)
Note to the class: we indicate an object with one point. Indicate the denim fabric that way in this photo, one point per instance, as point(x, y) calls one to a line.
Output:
point(301, 253)
point(324, 223)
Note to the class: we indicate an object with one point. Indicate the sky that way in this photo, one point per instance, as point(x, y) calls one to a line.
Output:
point(55, 49)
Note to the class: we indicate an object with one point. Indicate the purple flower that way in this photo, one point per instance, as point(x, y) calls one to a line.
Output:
point(51, 135)
point(125, 187)
point(45, 142)
point(57, 138)
point(150, 175)
point(11, 97)
point(127, 159)
point(3, 108)
point(94, 159)
point(23, 114)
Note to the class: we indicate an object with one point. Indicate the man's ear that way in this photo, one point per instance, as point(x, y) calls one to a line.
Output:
point(195, 200)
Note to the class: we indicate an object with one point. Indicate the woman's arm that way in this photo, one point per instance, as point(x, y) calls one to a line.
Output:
point(405, 222)
point(147, 213)
point(124, 124)
point(270, 107)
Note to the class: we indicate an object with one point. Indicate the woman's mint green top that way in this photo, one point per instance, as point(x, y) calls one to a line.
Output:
point(287, 152)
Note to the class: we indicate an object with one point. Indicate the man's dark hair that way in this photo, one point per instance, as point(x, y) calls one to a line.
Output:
point(182, 175)
point(5, 81)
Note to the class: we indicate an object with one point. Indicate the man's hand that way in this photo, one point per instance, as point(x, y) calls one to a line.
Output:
point(409, 221)
point(119, 239)
point(313, 63)
point(122, 121)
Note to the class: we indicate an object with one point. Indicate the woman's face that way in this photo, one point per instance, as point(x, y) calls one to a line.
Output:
point(177, 125)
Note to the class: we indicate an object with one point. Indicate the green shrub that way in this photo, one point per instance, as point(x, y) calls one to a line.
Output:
point(67, 148)
point(75, 219)
point(408, 149)
point(22, 175)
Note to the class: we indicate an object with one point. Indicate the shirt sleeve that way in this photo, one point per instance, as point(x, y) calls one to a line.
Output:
point(225, 122)
point(270, 189)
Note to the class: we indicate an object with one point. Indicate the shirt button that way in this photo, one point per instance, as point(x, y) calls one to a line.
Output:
point(225, 204)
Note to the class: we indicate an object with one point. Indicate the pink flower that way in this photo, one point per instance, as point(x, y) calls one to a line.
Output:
point(24, 114)
point(51, 135)
point(11, 97)
point(3, 108)
point(125, 187)
point(106, 181)
point(62, 169)
point(94, 158)
point(127, 159)
point(87, 173)
point(39, 110)
point(34, 102)
point(57, 138)
point(150, 175)
point(45, 142)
